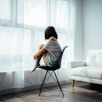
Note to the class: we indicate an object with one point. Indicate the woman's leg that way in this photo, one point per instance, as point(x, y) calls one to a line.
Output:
point(37, 63)
point(44, 58)
point(44, 54)
point(37, 60)
point(39, 57)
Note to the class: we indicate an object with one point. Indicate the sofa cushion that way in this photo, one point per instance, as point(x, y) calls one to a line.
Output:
point(94, 58)
point(89, 72)
point(99, 58)
point(91, 58)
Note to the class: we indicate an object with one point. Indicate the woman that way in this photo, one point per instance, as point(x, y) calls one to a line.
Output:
point(50, 51)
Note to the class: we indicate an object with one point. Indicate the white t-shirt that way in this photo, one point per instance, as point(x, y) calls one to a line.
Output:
point(54, 51)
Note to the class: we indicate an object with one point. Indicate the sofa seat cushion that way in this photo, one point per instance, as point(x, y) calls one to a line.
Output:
point(90, 72)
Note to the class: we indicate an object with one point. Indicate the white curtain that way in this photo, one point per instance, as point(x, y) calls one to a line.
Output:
point(21, 35)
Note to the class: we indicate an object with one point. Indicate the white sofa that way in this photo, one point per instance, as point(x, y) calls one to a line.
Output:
point(89, 70)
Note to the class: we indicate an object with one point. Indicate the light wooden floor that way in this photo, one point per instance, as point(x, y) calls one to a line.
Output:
point(82, 92)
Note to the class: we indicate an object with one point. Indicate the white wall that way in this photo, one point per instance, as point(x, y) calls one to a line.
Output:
point(88, 32)
point(92, 24)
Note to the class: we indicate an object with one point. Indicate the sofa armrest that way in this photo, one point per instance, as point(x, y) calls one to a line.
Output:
point(73, 64)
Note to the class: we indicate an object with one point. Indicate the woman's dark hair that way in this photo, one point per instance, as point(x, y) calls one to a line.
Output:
point(49, 32)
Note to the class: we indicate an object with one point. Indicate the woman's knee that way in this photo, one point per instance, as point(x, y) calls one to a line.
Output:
point(41, 46)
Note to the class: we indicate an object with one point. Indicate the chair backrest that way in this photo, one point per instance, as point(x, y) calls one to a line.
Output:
point(58, 62)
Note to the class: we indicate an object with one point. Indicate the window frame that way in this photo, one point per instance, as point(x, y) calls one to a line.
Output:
point(12, 20)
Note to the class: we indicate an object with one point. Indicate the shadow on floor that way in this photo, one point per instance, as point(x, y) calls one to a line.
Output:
point(95, 87)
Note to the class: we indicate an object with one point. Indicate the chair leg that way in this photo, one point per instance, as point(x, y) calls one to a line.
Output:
point(51, 76)
point(43, 83)
point(59, 84)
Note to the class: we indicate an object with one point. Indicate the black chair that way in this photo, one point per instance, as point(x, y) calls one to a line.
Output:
point(53, 69)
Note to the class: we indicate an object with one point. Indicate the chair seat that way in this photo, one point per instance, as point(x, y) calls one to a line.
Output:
point(49, 68)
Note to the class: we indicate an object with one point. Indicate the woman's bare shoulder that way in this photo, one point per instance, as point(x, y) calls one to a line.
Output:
point(53, 38)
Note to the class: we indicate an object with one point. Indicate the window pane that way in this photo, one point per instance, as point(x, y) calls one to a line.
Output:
point(5, 9)
point(15, 48)
point(20, 11)
point(35, 12)
point(62, 14)
point(11, 45)
point(27, 49)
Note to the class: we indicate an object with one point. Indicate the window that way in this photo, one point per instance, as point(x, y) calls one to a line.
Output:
point(11, 47)
point(35, 12)
point(15, 45)
point(5, 7)
point(18, 44)
point(6, 12)
point(62, 14)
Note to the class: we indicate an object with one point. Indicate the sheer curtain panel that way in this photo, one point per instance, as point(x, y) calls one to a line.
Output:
point(22, 25)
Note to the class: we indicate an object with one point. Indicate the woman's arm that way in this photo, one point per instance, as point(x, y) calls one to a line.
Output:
point(40, 53)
